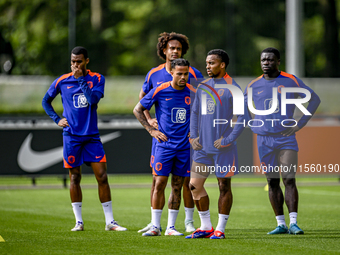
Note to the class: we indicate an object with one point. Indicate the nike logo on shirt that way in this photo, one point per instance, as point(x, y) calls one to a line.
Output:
point(259, 92)
point(167, 99)
point(159, 82)
point(68, 87)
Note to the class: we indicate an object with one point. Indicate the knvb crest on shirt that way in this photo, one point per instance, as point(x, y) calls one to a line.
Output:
point(210, 106)
point(79, 100)
point(268, 103)
point(178, 115)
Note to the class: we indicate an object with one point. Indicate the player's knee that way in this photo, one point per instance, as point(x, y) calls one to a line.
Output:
point(102, 179)
point(289, 182)
point(176, 186)
point(224, 189)
point(186, 181)
point(186, 187)
point(197, 191)
point(191, 187)
point(224, 185)
point(160, 185)
point(273, 182)
point(177, 181)
point(75, 178)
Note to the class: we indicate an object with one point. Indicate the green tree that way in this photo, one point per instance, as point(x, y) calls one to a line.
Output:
point(121, 35)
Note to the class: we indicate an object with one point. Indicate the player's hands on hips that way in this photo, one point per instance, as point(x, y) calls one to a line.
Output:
point(290, 131)
point(195, 144)
point(158, 135)
point(77, 72)
point(217, 143)
point(153, 123)
point(63, 123)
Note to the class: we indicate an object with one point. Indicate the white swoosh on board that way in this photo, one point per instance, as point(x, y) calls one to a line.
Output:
point(34, 161)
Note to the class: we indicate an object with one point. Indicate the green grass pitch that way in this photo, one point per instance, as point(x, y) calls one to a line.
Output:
point(38, 221)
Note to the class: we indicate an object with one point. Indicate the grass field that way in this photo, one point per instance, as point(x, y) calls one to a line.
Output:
point(38, 220)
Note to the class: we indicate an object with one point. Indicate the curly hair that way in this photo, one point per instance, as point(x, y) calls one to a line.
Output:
point(165, 37)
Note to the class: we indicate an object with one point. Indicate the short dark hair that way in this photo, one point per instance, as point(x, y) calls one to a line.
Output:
point(272, 50)
point(179, 62)
point(166, 37)
point(80, 50)
point(221, 55)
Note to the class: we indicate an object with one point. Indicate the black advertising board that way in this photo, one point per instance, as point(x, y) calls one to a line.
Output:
point(28, 149)
point(35, 148)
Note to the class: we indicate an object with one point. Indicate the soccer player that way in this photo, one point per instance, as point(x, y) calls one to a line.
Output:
point(276, 140)
point(81, 91)
point(214, 145)
point(170, 46)
point(172, 151)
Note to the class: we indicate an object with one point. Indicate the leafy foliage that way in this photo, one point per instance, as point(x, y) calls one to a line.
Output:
point(124, 42)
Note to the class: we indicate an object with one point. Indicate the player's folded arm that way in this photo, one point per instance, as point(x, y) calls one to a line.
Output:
point(92, 96)
point(138, 111)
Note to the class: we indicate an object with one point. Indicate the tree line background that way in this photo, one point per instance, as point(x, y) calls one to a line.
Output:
point(121, 35)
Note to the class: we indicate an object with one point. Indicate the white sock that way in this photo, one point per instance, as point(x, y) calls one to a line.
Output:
point(189, 213)
point(205, 220)
point(281, 220)
point(293, 217)
point(77, 211)
point(222, 222)
point(172, 216)
point(107, 207)
point(156, 217)
point(151, 213)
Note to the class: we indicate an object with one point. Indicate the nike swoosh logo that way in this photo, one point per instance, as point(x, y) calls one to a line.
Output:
point(159, 82)
point(167, 99)
point(98, 156)
point(34, 161)
point(259, 92)
point(68, 87)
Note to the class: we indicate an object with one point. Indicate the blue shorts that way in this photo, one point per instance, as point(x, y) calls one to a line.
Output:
point(270, 146)
point(153, 151)
point(224, 164)
point(172, 161)
point(82, 149)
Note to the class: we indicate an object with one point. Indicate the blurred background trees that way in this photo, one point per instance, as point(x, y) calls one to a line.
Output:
point(121, 35)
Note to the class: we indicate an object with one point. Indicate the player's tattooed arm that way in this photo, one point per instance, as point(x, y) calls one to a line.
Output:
point(175, 195)
point(139, 113)
point(152, 121)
